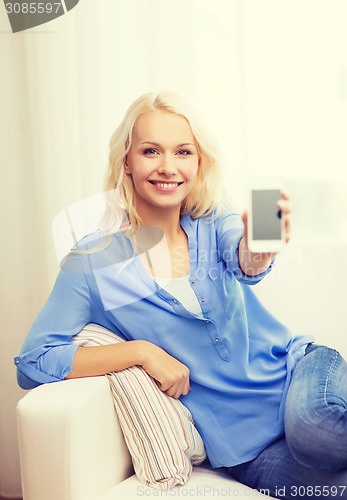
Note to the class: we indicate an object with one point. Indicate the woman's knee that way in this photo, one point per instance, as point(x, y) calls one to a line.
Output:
point(319, 442)
point(316, 414)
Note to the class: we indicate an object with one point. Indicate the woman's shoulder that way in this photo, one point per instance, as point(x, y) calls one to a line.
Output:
point(97, 250)
point(215, 217)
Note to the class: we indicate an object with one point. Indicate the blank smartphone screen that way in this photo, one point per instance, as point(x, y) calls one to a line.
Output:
point(266, 223)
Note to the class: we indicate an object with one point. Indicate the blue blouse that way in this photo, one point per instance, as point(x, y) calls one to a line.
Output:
point(240, 357)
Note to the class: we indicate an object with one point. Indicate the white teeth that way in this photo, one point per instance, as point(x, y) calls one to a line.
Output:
point(164, 185)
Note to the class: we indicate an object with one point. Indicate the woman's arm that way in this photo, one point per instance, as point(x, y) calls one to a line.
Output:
point(48, 354)
point(99, 360)
point(253, 263)
point(171, 375)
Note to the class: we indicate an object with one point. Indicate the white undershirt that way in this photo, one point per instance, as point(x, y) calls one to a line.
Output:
point(180, 289)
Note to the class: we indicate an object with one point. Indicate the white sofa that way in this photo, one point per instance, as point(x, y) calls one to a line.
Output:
point(71, 445)
point(72, 448)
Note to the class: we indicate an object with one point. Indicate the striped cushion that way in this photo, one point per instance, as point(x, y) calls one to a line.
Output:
point(159, 430)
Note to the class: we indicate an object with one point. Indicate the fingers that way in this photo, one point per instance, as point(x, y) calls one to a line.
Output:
point(176, 392)
point(284, 204)
point(177, 386)
point(245, 224)
point(171, 376)
point(287, 228)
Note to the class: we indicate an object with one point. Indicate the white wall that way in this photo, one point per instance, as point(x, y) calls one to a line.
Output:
point(270, 79)
point(295, 65)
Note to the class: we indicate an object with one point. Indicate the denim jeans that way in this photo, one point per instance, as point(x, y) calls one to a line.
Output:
point(310, 461)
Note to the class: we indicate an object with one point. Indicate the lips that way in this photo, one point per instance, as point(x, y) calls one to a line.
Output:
point(165, 185)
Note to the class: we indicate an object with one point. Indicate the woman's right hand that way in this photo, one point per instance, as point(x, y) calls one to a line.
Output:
point(171, 375)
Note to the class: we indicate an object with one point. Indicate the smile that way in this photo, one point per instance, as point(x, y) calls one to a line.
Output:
point(165, 185)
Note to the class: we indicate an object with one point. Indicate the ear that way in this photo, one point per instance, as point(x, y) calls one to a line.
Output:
point(199, 163)
point(127, 169)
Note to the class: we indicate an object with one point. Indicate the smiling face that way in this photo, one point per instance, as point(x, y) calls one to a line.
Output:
point(163, 161)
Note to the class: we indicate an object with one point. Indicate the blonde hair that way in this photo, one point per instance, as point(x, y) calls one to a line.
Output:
point(206, 194)
point(205, 197)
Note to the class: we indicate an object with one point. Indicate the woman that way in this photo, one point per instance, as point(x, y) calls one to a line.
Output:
point(270, 407)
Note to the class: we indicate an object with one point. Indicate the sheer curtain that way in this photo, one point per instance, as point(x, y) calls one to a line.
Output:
point(269, 78)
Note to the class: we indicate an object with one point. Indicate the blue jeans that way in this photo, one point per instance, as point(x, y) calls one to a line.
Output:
point(311, 460)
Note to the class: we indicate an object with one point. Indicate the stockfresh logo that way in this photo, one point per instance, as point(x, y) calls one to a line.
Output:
point(24, 15)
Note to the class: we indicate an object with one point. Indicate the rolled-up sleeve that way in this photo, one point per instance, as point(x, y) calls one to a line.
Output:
point(48, 352)
point(230, 230)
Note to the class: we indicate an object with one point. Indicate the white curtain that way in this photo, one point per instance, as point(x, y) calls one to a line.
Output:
point(269, 79)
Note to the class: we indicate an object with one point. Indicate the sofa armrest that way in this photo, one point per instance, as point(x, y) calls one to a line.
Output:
point(71, 444)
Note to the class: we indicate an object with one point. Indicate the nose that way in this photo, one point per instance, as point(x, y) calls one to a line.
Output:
point(167, 166)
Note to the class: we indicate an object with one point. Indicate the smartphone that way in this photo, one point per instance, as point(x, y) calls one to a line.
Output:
point(265, 225)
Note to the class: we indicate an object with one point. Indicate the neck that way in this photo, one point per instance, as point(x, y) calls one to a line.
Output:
point(167, 220)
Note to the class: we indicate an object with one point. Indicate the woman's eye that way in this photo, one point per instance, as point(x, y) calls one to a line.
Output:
point(184, 152)
point(150, 151)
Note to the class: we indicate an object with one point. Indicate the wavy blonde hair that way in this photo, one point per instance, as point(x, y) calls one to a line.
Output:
point(206, 193)
point(206, 196)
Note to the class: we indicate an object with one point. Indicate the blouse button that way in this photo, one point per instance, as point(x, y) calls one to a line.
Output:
point(203, 300)
point(216, 339)
point(192, 280)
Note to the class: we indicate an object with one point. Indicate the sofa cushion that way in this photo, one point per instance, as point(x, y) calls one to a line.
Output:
point(205, 482)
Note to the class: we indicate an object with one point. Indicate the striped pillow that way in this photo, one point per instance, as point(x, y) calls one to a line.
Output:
point(159, 430)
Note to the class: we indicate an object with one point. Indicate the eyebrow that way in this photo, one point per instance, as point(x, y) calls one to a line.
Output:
point(178, 145)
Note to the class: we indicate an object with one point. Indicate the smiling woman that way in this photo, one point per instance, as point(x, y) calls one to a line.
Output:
point(201, 334)
point(162, 175)
point(191, 143)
